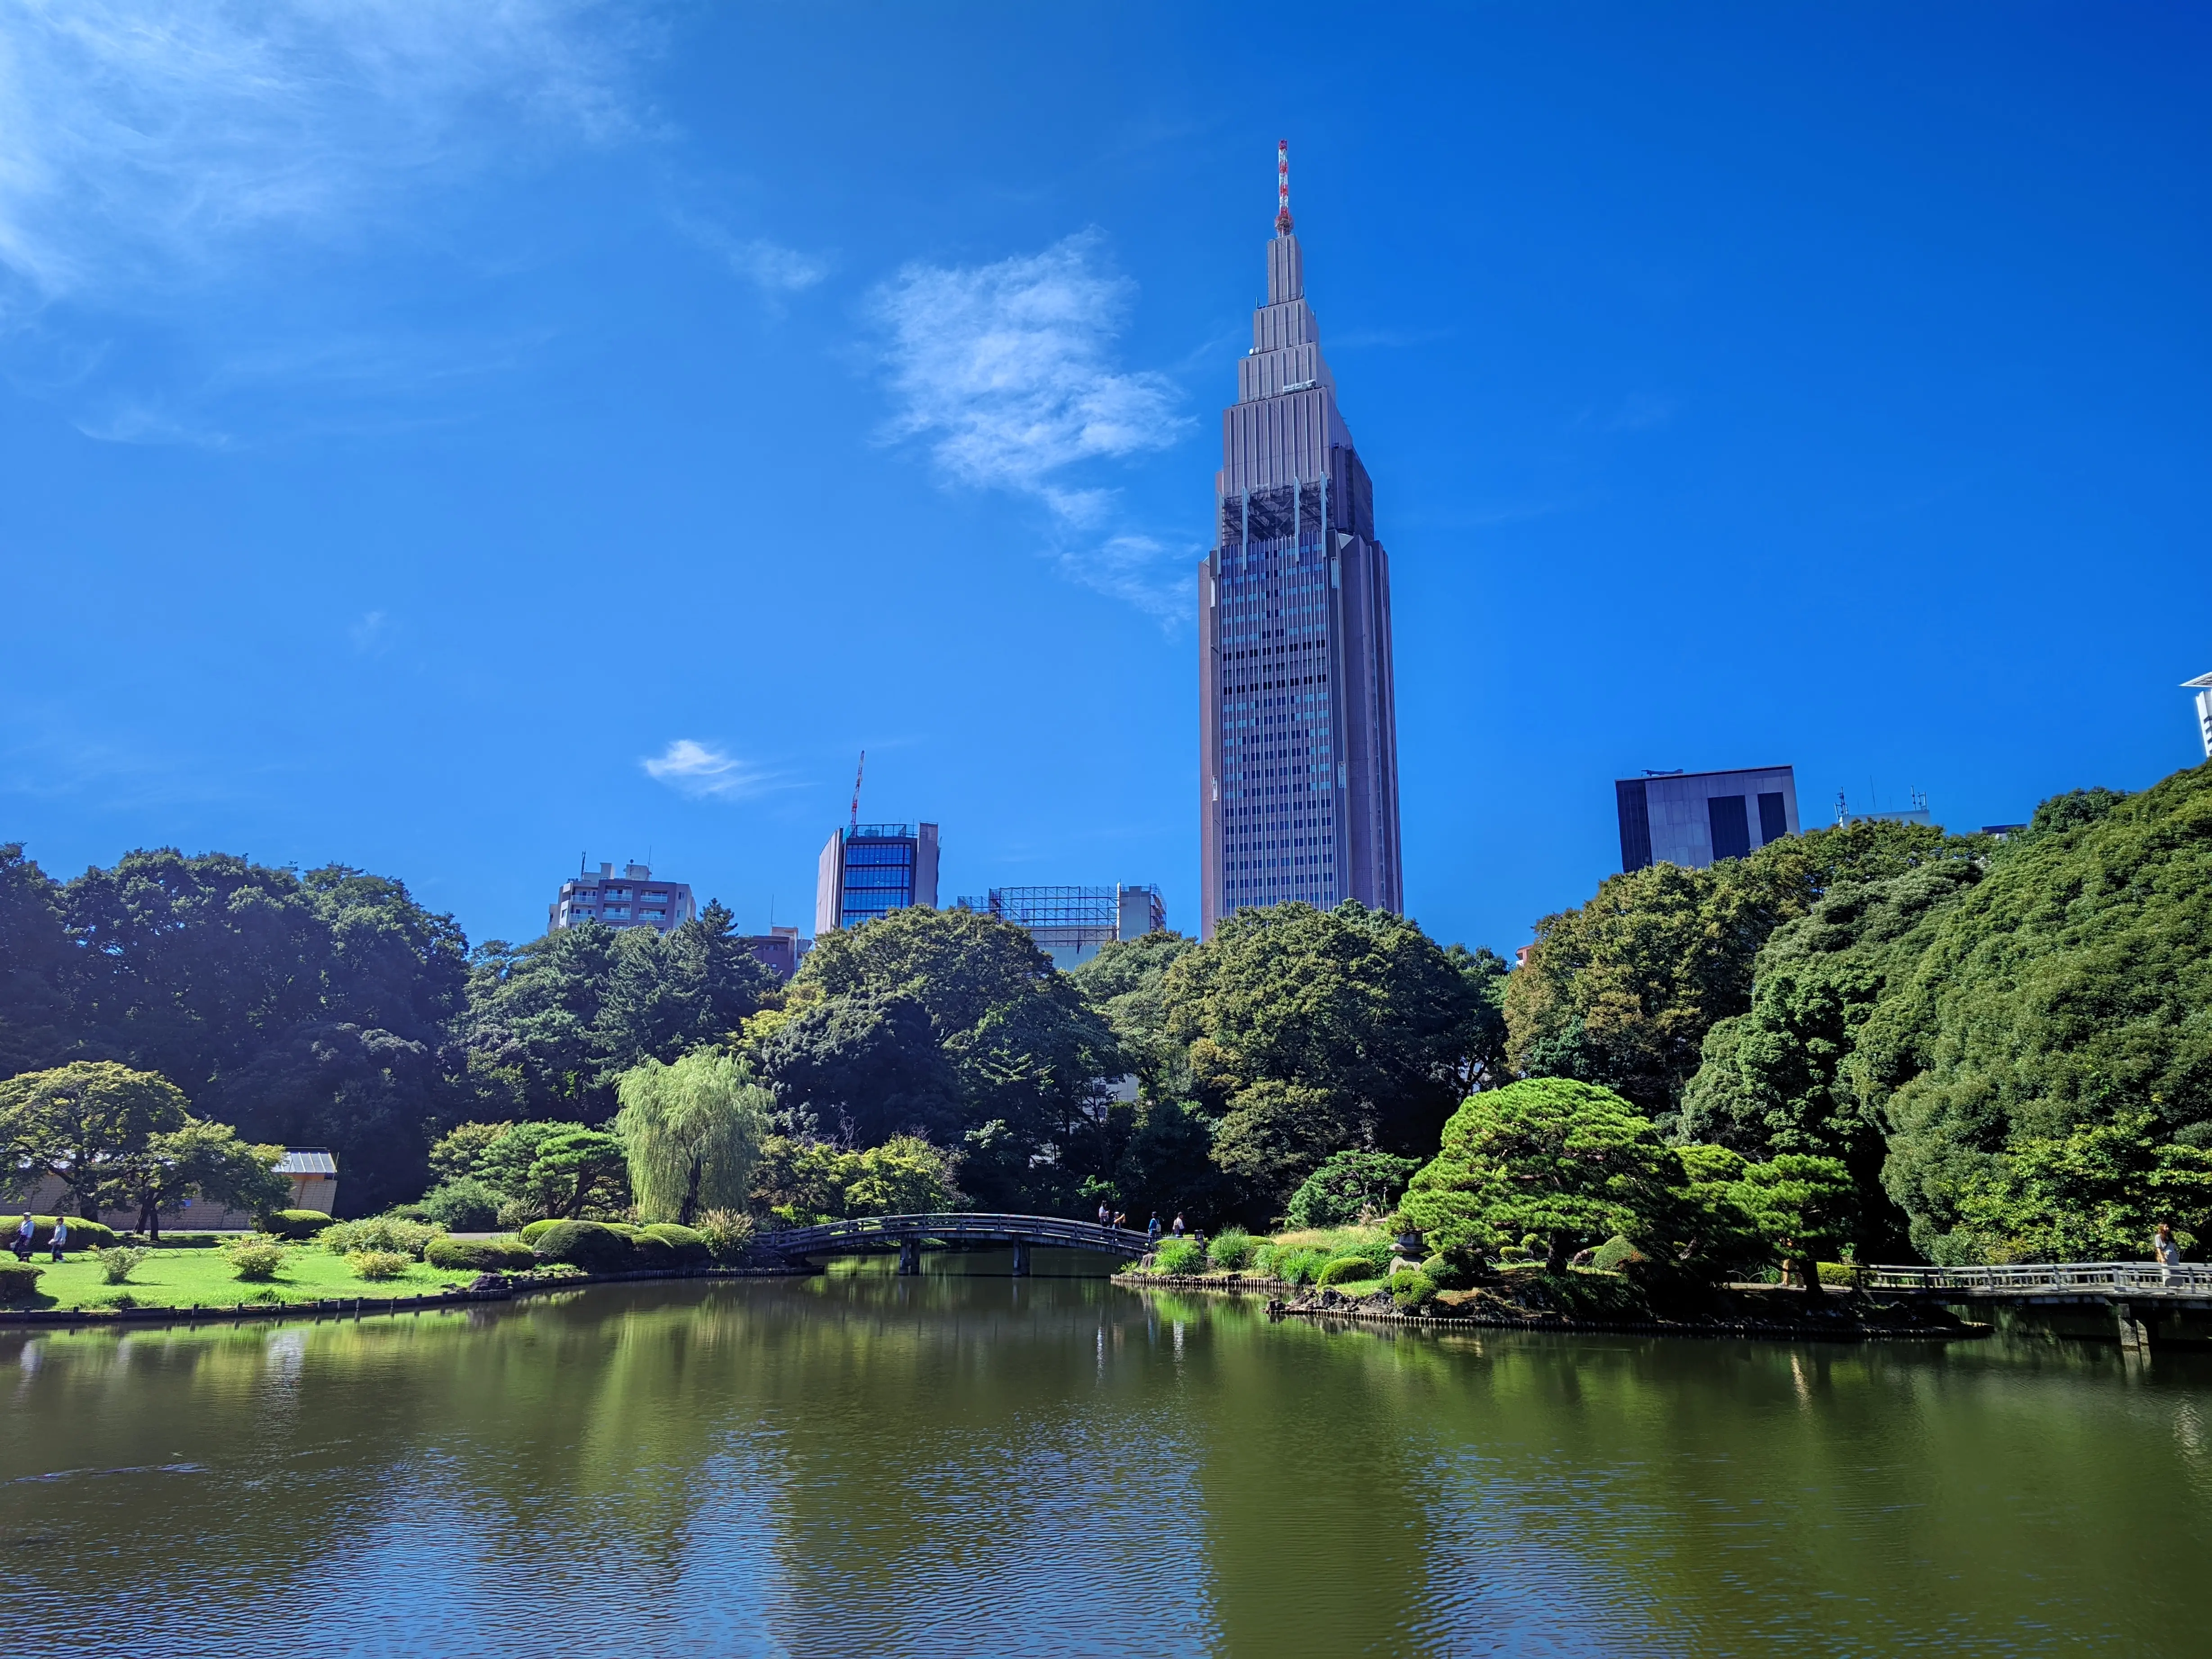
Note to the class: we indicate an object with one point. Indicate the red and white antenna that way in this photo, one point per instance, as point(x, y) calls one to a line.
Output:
point(857, 772)
point(1282, 187)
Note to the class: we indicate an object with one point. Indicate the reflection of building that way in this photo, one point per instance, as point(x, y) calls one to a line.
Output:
point(778, 950)
point(1070, 923)
point(1299, 744)
point(312, 1171)
point(2202, 685)
point(869, 870)
point(1692, 818)
point(632, 899)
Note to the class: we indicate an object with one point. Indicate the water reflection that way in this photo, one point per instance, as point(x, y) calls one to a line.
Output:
point(963, 1464)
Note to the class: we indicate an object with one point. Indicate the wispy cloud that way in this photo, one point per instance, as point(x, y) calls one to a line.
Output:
point(372, 635)
point(143, 143)
point(1638, 411)
point(1007, 371)
point(768, 265)
point(703, 771)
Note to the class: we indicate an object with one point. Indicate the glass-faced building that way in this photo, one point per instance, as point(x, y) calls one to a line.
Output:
point(1070, 925)
point(869, 870)
point(1299, 785)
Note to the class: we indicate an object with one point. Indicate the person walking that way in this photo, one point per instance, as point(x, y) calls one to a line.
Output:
point(2166, 1248)
point(1178, 1224)
point(1152, 1232)
point(26, 1238)
point(61, 1236)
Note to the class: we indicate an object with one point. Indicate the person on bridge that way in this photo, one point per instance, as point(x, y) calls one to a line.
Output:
point(2165, 1246)
point(1105, 1215)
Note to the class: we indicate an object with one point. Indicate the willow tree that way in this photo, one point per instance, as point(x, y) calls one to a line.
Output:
point(692, 1132)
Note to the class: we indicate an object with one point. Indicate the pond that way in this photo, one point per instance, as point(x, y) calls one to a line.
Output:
point(963, 1464)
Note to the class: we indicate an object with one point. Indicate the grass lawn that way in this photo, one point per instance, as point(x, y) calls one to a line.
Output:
point(184, 1279)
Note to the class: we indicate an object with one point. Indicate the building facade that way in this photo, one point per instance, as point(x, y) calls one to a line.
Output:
point(1070, 924)
point(633, 899)
point(1692, 818)
point(2202, 685)
point(780, 950)
point(1298, 779)
point(870, 870)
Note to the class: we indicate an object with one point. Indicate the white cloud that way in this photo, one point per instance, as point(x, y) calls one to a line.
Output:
point(145, 143)
point(770, 266)
point(1007, 372)
point(701, 771)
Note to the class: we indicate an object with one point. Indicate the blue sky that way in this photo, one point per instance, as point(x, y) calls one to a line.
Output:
point(450, 439)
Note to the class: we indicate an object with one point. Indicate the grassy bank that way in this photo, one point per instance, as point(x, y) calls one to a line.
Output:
point(206, 1279)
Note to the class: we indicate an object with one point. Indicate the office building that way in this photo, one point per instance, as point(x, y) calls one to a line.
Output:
point(780, 950)
point(2202, 685)
point(633, 899)
point(1070, 924)
point(1298, 779)
point(869, 870)
point(1692, 818)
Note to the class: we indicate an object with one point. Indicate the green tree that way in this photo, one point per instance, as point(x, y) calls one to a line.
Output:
point(2093, 1194)
point(1349, 1186)
point(2066, 991)
point(691, 1132)
point(196, 1160)
point(461, 1149)
point(1623, 991)
point(800, 1183)
point(83, 1122)
point(1126, 982)
point(1801, 1206)
point(905, 1176)
point(862, 1067)
point(1313, 1031)
point(1567, 1161)
point(577, 1169)
point(36, 967)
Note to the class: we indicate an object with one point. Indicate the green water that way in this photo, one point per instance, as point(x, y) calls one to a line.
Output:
point(958, 1465)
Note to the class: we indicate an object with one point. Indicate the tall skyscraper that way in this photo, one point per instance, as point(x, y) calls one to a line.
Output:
point(1298, 790)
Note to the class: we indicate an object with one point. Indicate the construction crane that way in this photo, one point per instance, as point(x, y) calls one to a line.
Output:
point(858, 772)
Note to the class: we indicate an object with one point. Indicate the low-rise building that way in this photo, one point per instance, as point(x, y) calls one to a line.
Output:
point(313, 1170)
point(1693, 819)
point(1070, 924)
point(780, 950)
point(636, 898)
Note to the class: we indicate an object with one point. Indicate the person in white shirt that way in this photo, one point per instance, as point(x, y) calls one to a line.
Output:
point(2165, 1247)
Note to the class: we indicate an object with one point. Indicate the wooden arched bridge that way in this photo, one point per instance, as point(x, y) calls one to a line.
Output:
point(910, 1235)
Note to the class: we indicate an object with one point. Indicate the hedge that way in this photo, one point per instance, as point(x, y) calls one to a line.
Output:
point(594, 1246)
point(82, 1235)
point(1348, 1268)
point(536, 1230)
point(18, 1280)
point(1615, 1253)
point(1413, 1291)
point(690, 1244)
point(485, 1255)
point(294, 1224)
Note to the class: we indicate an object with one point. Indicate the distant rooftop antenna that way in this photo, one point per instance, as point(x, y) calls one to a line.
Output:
point(1282, 187)
point(858, 772)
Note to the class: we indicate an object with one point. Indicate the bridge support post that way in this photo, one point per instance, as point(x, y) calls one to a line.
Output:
point(1021, 1258)
point(909, 1255)
point(2133, 1332)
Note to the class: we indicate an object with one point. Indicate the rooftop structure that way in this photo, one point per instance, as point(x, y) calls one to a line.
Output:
point(870, 870)
point(2202, 685)
point(1693, 819)
point(1298, 781)
point(1070, 924)
point(633, 899)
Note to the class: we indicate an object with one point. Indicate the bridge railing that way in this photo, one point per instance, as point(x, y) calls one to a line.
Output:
point(956, 1226)
point(2050, 1279)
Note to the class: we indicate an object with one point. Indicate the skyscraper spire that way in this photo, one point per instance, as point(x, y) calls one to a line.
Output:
point(1282, 187)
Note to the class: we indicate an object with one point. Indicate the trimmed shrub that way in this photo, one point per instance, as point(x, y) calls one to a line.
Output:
point(391, 1233)
point(377, 1264)
point(592, 1245)
point(1300, 1267)
point(293, 1223)
point(651, 1251)
point(1513, 1253)
point(82, 1235)
point(255, 1259)
point(1345, 1269)
point(728, 1233)
point(480, 1255)
point(1447, 1274)
point(533, 1231)
point(117, 1263)
point(1231, 1250)
point(1413, 1291)
point(1615, 1253)
point(18, 1280)
point(1842, 1273)
point(1179, 1256)
point(690, 1244)
point(464, 1204)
